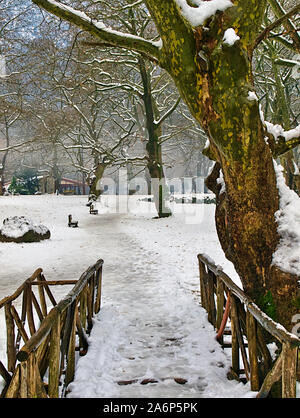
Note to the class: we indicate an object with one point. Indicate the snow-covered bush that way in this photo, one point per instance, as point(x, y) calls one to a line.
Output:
point(22, 229)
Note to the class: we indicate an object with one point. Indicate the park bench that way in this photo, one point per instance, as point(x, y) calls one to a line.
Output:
point(93, 211)
point(72, 224)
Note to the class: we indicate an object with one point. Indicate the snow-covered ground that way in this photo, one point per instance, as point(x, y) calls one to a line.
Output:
point(151, 324)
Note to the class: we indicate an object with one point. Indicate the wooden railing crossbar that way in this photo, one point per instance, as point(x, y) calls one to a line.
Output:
point(224, 301)
point(49, 345)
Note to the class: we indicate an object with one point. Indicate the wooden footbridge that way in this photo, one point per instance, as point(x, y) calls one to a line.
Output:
point(41, 342)
point(249, 331)
point(41, 360)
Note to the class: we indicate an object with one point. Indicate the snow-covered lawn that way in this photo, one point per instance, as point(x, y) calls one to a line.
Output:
point(151, 324)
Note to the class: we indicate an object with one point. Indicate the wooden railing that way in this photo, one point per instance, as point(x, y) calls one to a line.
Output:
point(45, 364)
point(225, 302)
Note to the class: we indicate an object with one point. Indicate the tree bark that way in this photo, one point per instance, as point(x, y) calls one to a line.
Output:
point(95, 190)
point(4, 158)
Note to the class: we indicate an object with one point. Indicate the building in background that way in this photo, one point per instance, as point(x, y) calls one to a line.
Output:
point(67, 186)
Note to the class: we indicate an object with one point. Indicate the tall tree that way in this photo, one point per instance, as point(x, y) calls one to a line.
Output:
point(207, 48)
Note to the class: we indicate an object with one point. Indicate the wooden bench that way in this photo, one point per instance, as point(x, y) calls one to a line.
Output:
point(72, 224)
point(93, 211)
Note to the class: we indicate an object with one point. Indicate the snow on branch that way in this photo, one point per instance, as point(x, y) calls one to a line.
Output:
point(287, 254)
point(201, 10)
point(168, 112)
point(280, 12)
point(230, 37)
point(282, 141)
point(276, 23)
point(16, 146)
point(108, 35)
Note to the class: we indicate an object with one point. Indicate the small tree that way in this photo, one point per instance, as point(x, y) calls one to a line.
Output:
point(24, 182)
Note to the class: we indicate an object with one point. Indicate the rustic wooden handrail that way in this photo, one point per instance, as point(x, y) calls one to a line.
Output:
point(20, 289)
point(50, 347)
point(224, 300)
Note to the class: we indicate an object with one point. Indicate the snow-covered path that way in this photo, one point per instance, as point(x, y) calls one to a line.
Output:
point(151, 325)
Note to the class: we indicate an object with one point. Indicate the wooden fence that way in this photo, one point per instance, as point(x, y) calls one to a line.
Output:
point(225, 302)
point(45, 364)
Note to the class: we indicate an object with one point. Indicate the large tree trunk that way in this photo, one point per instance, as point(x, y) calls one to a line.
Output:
point(215, 80)
point(95, 190)
point(2, 173)
point(159, 185)
point(154, 153)
point(4, 158)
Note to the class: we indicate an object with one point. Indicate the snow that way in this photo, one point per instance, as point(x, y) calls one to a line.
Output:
point(277, 130)
point(292, 133)
point(287, 254)
point(158, 43)
point(296, 169)
point(17, 226)
point(207, 144)
point(69, 9)
point(221, 181)
point(202, 10)
point(151, 324)
point(252, 96)
point(230, 37)
point(97, 24)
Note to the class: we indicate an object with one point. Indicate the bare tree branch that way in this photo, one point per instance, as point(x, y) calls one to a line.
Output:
point(273, 25)
point(107, 35)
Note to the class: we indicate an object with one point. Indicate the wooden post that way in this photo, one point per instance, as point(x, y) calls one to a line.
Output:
point(37, 307)
point(252, 349)
point(67, 330)
point(83, 342)
point(70, 371)
point(98, 290)
point(23, 380)
point(272, 377)
point(289, 371)
point(31, 376)
point(40, 388)
point(23, 315)
point(220, 302)
point(211, 298)
point(241, 341)
point(19, 324)
point(89, 307)
point(42, 356)
point(10, 336)
point(4, 373)
point(14, 386)
point(48, 291)
point(54, 359)
point(42, 299)
point(30, 318)
point(202, 275)
point(83, 307)
point(234, 340)
point(262, 346)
